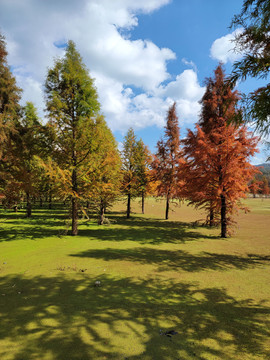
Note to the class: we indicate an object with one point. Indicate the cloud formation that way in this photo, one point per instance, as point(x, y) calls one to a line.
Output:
point(223, 50)
point(130, 74)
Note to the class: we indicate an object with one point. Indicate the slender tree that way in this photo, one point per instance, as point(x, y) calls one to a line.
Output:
point(143, 161)
point(9, 96)
point(104, 172)
point(21, 170)
point(254, 187)
point(129, 168)
point(218, 153)
point(9, 113)
point(168, 160)
point(265, 190)
point(72, 106)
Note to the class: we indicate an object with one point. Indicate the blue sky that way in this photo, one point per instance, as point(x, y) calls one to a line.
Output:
point(143, 54)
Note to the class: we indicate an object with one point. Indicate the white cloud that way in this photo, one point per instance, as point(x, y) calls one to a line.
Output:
point(222, 49)
point(100, 29)
point(190, 63)
point(186, 86)
point(123, 108)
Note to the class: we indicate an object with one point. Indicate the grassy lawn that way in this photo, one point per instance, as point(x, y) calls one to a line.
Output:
point(155, 274)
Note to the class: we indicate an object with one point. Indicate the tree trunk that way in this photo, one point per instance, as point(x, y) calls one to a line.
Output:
point(102, 212)
point(74, 198)
point(128, 205)
point(28, 205)
point(50, 198)
point(40, 201)
point(211, 218)
point(142, 202)
point(223, 216)
point(167, 208)
point(74, 204)
point(87, 205)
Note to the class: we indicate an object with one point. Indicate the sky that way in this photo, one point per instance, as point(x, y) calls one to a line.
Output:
point(143, 55)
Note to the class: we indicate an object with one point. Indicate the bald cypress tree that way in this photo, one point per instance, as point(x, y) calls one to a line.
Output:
point(143, 160)
point(217, 154)
point(129, 168)
point(9, 97)
point(9, 114)
point(168, 159)
point(72, 105)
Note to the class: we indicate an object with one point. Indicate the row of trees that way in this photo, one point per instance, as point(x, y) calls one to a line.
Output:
point(210, 167)
point(74, 156)
point(259, 187)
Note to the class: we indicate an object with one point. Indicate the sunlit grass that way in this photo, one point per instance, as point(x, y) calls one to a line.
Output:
point(154, 274)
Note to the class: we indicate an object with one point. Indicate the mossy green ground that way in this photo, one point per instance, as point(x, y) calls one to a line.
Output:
point(154, 275)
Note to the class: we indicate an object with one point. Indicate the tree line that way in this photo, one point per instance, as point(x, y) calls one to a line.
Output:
point(74, 156)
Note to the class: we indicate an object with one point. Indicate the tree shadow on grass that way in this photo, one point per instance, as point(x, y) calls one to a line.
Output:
point(146, 231)
point(15, 226)
point(176, 260)
point(139, 229)
point(63, 318)
point(27, 233)
point(37, 215)
point(149, 232)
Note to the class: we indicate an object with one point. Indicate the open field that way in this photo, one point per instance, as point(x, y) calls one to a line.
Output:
point(155, 274)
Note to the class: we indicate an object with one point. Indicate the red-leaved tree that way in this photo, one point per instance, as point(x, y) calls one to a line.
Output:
point(265, 187)
point(254, 186)
point(217, 154)
point(168, 160)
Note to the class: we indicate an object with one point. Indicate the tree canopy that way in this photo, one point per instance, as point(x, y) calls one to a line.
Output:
point(217, 154)
point(253, 41)
point(72, 106)
point(167, 161)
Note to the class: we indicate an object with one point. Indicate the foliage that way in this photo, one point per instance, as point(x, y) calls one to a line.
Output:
point(9, 112)
point(265, 190)
point(253, 42)
point(254, 186)
point(217, 154)
point(104, 172)
point(9, 92)
point(72, 106)
point(20, 167)
point(129, 168)
point(143, 161)
point(168, 161)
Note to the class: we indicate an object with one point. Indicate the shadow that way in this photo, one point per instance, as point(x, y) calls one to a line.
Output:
point(27, 233)
point(139, 229)
point(64, 318)
point(175, 260)
point(145, 231)
point(43, 223)
point(37, 215)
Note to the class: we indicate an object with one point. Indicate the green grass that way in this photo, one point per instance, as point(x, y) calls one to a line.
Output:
point(154, 275)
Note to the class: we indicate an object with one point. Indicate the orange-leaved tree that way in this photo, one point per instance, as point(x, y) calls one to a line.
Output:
point(218, 152)
point(265, 187)
point(254, 186)
point(168, 161)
